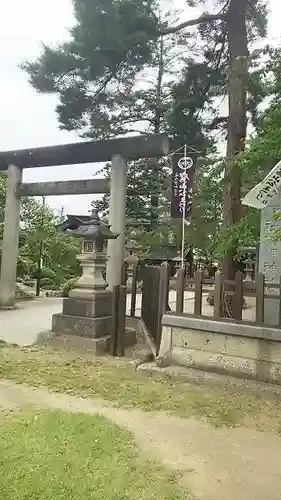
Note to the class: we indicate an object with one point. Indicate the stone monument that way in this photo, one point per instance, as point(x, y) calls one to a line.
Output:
point(270, 259)
point(266, 196)
point(87, 313)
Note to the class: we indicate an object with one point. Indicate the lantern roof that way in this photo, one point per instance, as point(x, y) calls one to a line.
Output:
point(90, 228)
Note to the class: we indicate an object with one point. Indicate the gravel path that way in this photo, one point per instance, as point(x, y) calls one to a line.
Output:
point(22, 325)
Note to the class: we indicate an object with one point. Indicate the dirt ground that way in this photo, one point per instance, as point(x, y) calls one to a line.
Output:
point(216, 464)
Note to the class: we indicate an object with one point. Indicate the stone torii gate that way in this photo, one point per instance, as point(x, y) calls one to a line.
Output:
point(118, 151)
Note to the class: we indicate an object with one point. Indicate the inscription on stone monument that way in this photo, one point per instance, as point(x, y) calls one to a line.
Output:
point(270, 258)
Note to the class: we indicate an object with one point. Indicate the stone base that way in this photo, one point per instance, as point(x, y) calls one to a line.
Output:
point(94, 347)
point(271, 308)
point(129, 284)
point(99, 306)
point(79, 326)
point(87, 292)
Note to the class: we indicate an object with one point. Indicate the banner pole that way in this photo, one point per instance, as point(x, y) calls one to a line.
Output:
point(183, 213)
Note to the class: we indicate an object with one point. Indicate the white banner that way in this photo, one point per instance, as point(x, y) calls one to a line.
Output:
point(263, 192)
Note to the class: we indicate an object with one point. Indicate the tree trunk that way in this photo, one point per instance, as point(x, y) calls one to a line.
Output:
point(237, 121)
point(157, 123)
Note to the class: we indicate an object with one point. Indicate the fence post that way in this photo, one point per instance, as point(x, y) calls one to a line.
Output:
point(162, 301)
point(217, 294)
point(134, 291)
point(237, 301)
point(144, 291)
point(115, 319)
point(260, 299)
point(122, 320)
point(166, 284)
point(124, 273)
point(180, 291)
point(198, 293)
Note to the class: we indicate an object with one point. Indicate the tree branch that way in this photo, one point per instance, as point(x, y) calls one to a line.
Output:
point(205, 18)
point(219, 120)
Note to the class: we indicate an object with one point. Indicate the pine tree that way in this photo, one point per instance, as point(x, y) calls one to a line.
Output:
point(95, 74)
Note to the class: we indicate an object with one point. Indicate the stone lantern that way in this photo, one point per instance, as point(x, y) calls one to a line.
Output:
point(93, 234)
point(249, 269)
point(132, 259)
point(88, 310)
point(178, 263)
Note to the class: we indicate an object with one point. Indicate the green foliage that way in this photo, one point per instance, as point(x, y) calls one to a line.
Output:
point(24, 265)
point(48, 284)
point(59, 250)
point(145, 178)
point(99, 76)
point(39, 232)
point(38, 224)
point(94, 72)
point(68, 286)
point(120, 71)
point(206, 219)
point(264, 147)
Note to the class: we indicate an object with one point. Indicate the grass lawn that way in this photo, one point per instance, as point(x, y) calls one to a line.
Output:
point(116, 381)
point(54, 455)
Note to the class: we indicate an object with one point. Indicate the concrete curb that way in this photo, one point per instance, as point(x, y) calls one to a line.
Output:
point(199, 377)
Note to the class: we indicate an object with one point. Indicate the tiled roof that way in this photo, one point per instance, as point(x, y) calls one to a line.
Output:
point(164, 254)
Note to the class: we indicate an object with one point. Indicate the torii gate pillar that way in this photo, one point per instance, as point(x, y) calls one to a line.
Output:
point(117, 212)
point(10, 237)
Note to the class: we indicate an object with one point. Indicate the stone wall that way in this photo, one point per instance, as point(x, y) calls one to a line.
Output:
point(239, 350)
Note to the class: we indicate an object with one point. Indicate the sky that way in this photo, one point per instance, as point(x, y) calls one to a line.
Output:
point(28, 119)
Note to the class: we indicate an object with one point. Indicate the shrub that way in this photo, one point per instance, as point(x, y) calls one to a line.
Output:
point(29, 282)
point(68, 285)
point(48, 283)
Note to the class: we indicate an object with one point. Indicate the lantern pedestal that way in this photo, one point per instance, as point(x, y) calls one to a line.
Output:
point(98, 307)
point(91, 283)
point(132, 260)
point(130, 274)
point(88, 310)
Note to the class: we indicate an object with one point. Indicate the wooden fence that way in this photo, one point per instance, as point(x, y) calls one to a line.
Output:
point(156, 287)
point(154, 301)
point(225, 291)
point(118, 320)
point(154, 290)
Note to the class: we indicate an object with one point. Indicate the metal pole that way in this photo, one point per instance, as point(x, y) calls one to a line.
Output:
point(183, 214)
